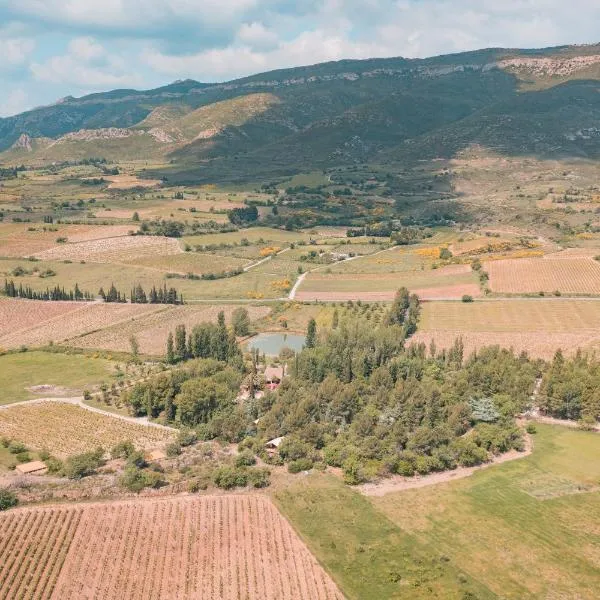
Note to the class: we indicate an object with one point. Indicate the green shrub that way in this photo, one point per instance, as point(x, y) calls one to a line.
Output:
point(245, 458)
point(228, 478)
point(122, 450)
point(531, 428)
point(187, 437)
point(173, 449)
point(82, 465)
point(15, 447)
point(8, 499)
point(259, 478)
point(467, 298)
point(302, 464)
point(23, 457)
point(135, 480)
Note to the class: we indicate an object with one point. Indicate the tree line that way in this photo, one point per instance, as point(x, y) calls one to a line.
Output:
point(51, 294)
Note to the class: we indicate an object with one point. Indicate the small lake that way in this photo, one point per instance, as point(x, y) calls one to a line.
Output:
point(272, 343)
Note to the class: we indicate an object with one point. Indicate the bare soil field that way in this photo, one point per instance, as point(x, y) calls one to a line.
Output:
point(152, 330)
point(532, 275)
point(36, 323)
point(211, 547)
point(66, 429)
point(539, 327)
point(120, 249)
point(450, 282)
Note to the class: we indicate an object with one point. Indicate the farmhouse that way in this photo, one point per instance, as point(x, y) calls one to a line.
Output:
point(273, 445)
point(36, 467)
point(274, 376)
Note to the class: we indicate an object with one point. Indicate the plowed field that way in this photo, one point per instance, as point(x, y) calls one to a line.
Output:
point(212, 547)
point(532, 275)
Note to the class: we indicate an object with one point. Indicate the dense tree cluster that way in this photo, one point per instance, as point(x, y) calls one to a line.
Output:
point(356, 397)
point(55, 293)
point(155, 296)
point(243, 216)
point(207, 340)
point(194, 395)
point(571, 388)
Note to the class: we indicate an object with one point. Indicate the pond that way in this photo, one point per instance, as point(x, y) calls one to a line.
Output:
point(272, 343)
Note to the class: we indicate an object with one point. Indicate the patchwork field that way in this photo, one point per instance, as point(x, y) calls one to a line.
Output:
point(532, 275)
point(219, 547)
point(37, 323)
point(526, 529)
point(539, 327)
point(65, 429)
point(449, 282)
point(21, 374)
point(152, 330)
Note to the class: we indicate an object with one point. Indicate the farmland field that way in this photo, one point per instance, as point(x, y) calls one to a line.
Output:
point(448, 282)
point(37, 322)
point(65, 429)
point(18, 240)
point(191, 262)
point(532, 275)
point(120, 249)
point(212, 547)
point(67, 374)
point(539, 327)
point(151, 330)
point(526, 529)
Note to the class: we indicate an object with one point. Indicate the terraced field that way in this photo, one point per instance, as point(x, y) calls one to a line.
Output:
point(211, 547)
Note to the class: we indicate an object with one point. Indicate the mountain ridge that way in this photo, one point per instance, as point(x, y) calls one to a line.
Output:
point(330, 113)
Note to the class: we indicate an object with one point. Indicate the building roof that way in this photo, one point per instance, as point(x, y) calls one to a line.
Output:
point(275, 443)
point(35, 466)
point(272, 373)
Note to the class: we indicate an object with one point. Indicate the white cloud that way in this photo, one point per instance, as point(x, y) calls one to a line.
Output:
point(87, 65)
point(15, 51)
point(15, 102)
point(257, 36)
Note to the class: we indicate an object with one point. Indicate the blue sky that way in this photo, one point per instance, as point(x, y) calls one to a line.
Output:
point(53, 48)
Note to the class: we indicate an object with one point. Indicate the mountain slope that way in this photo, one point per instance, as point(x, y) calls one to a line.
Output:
point(515, 101)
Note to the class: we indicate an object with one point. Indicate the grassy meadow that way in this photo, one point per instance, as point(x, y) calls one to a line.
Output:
point(525, 529)
point(73, 372)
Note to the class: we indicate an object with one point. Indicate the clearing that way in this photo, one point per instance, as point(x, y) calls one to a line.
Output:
point(69, 374)
point(214, 547)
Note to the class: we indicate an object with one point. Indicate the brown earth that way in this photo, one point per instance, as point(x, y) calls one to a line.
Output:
point(213, 547)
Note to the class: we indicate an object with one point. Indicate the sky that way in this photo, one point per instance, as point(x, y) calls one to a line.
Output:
point(50, 49)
